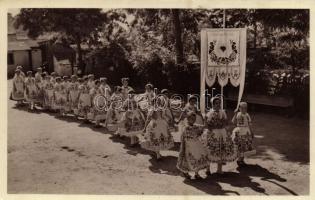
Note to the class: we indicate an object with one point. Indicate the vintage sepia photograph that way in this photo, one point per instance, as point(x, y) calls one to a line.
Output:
point(171, 101)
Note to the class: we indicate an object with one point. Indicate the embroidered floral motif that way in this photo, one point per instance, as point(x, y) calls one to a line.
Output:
point(244, 143)
point(222, 60)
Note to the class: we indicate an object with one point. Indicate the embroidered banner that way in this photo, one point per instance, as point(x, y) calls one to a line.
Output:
point(223, 58)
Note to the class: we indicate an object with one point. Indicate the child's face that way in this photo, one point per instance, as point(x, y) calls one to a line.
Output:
point(192, 102)
point(191, 119)
point(148, 89)
point(217, 105)
point(243, 109)
point(125, 83)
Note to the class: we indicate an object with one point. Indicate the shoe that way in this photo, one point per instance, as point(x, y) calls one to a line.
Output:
point(220, 172)
point(186, 175)
point(240, 163)
point(198, 177)
point(208, 173)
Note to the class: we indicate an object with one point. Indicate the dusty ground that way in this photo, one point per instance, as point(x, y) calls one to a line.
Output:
point(50, 155)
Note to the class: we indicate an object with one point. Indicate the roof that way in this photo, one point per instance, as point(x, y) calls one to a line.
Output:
point(21, 45)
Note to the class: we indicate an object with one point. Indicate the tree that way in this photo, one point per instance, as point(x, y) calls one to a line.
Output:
point(165, 23)
point(77, 25)
point(178, 36)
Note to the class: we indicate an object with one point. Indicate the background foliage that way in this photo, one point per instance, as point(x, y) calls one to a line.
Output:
point(162, 46)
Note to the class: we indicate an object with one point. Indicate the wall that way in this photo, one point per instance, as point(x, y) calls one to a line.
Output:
point(36, 58)
point(63, 67)
point(20, 58)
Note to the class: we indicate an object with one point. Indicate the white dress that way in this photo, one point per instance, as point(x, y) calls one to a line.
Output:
point(132, 122)
point(85, 102)
point(99, 105)
point(31, 92)
point(18, 88)
point(40, 85)
point(48, 94)
point(192, 155)
point(242, 135)
point(218, 142)
point(190, 108)
point(73, 96)
point(114, 113)
point(157, 136)
point(60, 96)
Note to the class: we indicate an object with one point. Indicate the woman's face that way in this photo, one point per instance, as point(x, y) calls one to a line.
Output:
point(125, 83)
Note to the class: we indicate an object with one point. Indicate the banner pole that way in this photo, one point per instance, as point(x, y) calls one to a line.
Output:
point(224, 18)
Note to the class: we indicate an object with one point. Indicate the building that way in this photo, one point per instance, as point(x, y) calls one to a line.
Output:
point(31, 54)
point(21, 49)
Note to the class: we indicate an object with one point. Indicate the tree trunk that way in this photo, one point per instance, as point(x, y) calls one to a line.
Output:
point(178, 37)
point(255, 34)
point(80, 61)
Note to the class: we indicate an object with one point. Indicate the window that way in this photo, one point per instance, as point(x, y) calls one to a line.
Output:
point(10, 59)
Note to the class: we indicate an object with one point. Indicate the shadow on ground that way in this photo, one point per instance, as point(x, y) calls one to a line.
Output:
point(243, 179)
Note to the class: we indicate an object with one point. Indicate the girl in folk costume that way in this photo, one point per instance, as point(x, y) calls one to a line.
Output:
point(48, 93)
point(192, 154)
point(114, 112)
point(157, 136)
point(21, 71)
point(80, 82)
point(31, 90)
point(218, 142)
point(66, 85)
point(125, 88)
point(191, 106)
point(53, 77)
point(39, 84)
point(85, 101)
point(166, 105)
point(149, 93)
point(132, 122)
point(18, 87)
point(60, 96)
point(105, 88)
point(145, 100)
point(91, 83)
point(73, 96)
point(66, 82)
point(243, 136)
point(99, 104)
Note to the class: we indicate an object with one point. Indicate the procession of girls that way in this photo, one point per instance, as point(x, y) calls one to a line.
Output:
point(147, 119)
